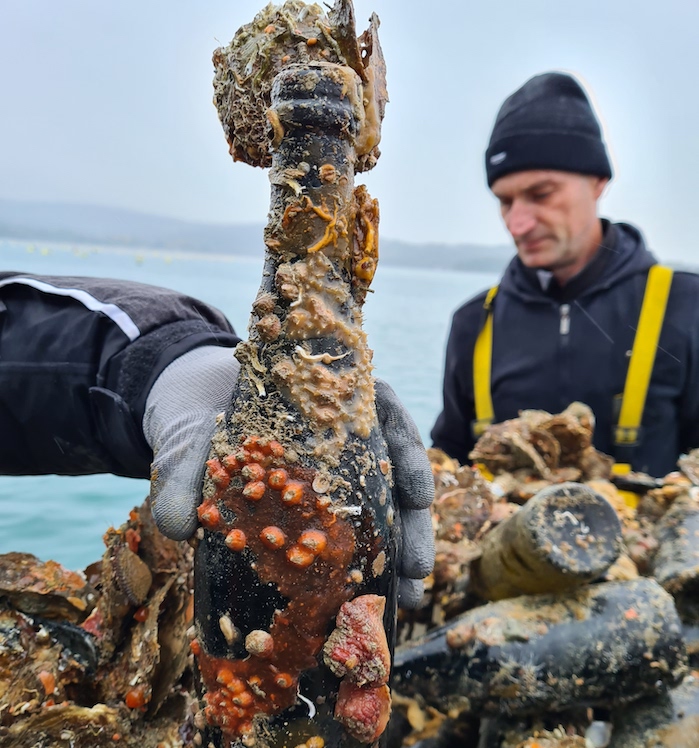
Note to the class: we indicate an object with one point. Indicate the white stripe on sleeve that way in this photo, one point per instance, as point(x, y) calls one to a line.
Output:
point(120, 318)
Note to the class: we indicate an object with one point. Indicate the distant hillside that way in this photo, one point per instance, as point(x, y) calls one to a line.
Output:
point(94, 224)
point(91, 224)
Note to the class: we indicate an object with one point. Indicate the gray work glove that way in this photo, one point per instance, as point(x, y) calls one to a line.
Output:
point(413, 491)
point(180, 419)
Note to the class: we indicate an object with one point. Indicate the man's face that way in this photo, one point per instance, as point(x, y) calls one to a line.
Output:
point(551, 215)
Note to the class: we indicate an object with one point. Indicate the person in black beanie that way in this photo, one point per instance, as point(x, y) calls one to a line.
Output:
point(561, 324)
point(547, 143)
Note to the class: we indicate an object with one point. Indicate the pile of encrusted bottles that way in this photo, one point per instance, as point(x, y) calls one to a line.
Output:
point(562, 610)
point(558, 615)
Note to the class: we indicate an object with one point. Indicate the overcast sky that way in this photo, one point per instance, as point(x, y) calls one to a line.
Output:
point(109, 102)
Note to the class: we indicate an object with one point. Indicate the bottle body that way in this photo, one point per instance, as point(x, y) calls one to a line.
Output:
point(295, 576)
point(544, 653)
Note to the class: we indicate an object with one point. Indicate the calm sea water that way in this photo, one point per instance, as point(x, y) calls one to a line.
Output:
point(407, 321)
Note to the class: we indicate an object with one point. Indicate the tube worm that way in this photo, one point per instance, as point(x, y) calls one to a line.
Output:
point(299, 531)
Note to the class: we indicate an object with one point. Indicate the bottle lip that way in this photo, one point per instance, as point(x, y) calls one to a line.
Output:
point(323, 96)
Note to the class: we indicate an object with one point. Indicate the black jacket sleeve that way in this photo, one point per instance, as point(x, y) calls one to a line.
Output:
point(77, 359)
point(688, 407)
point(453, 429)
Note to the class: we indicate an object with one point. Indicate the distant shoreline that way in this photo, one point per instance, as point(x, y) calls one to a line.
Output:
point(72, 224)
point(85, 249)
point(130, 232)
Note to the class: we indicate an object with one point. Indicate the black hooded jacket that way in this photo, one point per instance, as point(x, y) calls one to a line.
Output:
point(556, 345)
point(78, 357)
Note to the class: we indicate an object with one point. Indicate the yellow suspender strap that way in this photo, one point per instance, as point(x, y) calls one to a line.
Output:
point(482, 357)
point(645, 345)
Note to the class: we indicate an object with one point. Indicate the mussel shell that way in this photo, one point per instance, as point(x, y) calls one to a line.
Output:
point(132, 575)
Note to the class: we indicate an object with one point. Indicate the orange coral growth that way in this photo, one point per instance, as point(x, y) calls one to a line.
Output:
point(236, 540)
point(218, 473)
point(209, 515)
point(253, 472)
point(300, 557)
point(284, 680)
point(273, 537)
point(230, 462)
point(254, 491)
point(286, 512)
point(313, 540)
point(293, 493)
point(133, 539)
point(277, 479)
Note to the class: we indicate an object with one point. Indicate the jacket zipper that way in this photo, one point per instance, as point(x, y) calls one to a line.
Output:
point(563, 356)
point(564, 327)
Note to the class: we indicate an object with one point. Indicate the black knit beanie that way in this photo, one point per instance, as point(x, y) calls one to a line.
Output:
point(547, 124)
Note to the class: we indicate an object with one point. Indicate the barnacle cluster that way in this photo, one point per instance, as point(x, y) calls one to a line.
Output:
point(99, 658)
point(281, 36)
point(551, 447)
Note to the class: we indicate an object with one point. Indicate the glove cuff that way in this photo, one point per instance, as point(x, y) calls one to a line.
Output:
point(133, 372)
point(189, 393)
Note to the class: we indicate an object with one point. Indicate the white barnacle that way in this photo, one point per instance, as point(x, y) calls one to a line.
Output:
point(229, 631)
point(321, 483)
point(350, 511)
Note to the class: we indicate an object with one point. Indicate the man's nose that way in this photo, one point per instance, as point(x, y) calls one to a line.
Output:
point(520, 219)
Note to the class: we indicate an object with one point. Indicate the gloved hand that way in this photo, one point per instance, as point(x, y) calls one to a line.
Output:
point(414, 492)
point(180, 419)
point(178, 423)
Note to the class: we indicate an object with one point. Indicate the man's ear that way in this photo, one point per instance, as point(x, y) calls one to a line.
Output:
point(599, 185)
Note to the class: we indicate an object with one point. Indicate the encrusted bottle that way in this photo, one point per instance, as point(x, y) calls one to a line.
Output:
point(595, 646)
point(295, 578)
